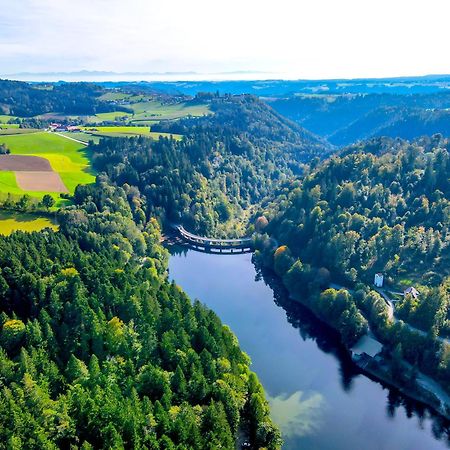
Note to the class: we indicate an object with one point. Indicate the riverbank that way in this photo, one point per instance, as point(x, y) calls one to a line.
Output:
point(377, 369)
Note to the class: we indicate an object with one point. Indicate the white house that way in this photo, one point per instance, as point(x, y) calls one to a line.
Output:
point(411, 291)
point(378, 281)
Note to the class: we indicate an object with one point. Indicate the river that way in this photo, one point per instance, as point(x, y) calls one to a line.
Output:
point(319, 400)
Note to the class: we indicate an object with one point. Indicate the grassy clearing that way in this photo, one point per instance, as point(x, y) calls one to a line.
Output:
point(132, 130)
point(152, 135)
point(127, 131)
point(145, 107)
point(8, 183)
point(153, 110)
point(112, 116)
point(13, 221)
point(11, 130)
point(84, 137)
point(113, 96)
point(4, 118)
point(68, 158)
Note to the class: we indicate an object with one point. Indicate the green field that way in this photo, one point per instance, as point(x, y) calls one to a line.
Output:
point(12, 221)
point(68, 158)
point(112, 116)
point(81, 136)
point(147, 108)
point(6, 130)
point(5, 118)
point(144, 109)
point(113, 96)
point(127, 131)
point(154, 110)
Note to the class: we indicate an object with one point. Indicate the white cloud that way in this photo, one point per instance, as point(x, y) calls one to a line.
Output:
point(310, 39)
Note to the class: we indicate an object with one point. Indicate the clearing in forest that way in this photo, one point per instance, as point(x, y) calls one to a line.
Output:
point(127, 131)
point(12, 221)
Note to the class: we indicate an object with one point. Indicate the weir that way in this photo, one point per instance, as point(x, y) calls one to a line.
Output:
point(214, 245)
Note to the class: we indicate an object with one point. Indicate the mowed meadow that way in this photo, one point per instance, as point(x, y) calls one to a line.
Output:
point(11, 221)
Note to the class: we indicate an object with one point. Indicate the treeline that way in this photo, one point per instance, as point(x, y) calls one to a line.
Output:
point(23, 99)
point(383, 206)
point(26, 203)
point(99, 350)
point(226, 163)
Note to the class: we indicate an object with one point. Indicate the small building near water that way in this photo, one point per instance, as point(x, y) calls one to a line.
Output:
point(411, 291)
point(379, 279)
point(367, 345)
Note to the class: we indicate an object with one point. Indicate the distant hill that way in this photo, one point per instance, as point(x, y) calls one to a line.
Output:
point(406, 123)
point(283, 88)
point(266, 88)
point(18, 98)
point(344, 119)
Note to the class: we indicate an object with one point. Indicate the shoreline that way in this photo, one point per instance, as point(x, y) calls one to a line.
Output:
point(372, 367)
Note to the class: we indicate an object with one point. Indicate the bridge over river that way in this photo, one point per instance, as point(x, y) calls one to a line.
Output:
point(213, 245)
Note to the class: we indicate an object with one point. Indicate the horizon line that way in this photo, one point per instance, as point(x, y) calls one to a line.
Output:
point(208, 76)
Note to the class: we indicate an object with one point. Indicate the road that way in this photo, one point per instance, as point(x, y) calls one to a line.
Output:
point(391, 310)
point(71, 138)
point(392, 316)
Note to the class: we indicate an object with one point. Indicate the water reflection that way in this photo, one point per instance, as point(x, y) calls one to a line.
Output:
point(309, 327)
point(318, 397)
point(296, 415)
point(328, 341)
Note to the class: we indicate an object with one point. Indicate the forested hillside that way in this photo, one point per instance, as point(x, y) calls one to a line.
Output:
point(227, 162)
point(383, 206)
point(344, 119)
point(23, 99)
point(99, 350)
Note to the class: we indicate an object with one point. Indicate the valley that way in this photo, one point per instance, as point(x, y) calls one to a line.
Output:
point(91, 176)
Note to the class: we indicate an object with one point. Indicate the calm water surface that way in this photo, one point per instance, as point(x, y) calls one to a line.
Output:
point(318, 399)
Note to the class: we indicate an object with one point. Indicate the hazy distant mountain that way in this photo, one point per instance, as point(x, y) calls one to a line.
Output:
point(239, 82)
point(283, 88)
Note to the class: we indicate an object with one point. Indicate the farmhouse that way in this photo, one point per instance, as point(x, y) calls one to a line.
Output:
point(57, 127)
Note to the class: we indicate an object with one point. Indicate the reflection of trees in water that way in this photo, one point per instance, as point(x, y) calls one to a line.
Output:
point(440, 427)
point(310, 327)
point(175, 248)
point(329, 342)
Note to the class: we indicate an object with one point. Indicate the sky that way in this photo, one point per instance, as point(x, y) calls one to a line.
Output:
point(290, 39)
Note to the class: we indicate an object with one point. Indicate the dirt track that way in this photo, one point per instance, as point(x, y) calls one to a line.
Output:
point(19, 163)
